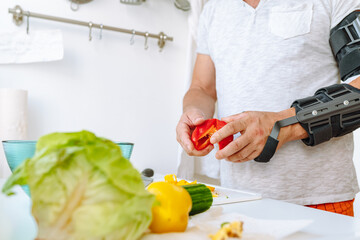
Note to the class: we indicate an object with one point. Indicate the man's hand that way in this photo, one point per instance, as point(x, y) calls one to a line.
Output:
point(188, 121)
point(255, 127)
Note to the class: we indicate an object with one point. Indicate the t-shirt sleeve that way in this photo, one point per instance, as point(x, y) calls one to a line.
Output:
point(342, 8)
point(203, 31)
point(350, 79)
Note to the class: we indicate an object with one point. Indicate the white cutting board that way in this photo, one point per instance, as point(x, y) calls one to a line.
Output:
point(227, 195)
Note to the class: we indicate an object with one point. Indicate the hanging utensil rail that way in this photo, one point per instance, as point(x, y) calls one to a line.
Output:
point(19, 14)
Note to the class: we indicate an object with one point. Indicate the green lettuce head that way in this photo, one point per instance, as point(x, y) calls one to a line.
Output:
point(83, 188)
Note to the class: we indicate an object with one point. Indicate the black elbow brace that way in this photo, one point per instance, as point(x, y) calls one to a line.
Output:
point(345, 45)
point(332, 112)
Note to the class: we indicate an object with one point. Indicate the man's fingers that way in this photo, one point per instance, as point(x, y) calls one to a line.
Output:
point(183, 136)
point(193, 152)
point(243, 155)
point(232, 148)
point(198, 121)
point(233, 117)
point(254, 155)
point(229, 129)
point(187, 145)
point(201, 152)
point(195, 118)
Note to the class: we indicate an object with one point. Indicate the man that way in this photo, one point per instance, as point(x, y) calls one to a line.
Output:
point(255, 58)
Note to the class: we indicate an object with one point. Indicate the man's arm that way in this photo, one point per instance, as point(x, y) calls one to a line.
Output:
point(255, 128)
point(202, 93)
point(296, 132)
point(198, 103)
point(355, 83)
point(311, 126)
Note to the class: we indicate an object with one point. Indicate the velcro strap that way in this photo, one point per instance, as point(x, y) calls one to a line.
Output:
point(272, 142)
point(322, 134)
point(339, 39)
point(268, 151)
point(349, 63)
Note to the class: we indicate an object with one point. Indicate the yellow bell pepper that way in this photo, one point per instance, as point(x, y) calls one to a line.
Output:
point(171, 214)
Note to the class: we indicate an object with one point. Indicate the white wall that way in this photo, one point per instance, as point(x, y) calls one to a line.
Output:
point(118, 91)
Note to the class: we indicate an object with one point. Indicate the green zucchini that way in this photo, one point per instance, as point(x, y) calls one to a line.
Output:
point(201, 197)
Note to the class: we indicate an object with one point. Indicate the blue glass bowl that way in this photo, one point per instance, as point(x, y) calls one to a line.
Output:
point(16, 151)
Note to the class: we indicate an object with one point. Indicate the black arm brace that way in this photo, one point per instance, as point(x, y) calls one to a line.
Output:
point(332, 112)
point(345, 45)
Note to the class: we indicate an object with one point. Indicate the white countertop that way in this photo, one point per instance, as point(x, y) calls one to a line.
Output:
point(16, 222)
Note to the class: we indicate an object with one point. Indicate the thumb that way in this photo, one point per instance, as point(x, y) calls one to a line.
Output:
point(196, 117)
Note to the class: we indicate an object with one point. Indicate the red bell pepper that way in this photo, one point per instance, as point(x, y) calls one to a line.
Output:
point(203, 132)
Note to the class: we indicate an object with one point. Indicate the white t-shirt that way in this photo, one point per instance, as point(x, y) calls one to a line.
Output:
point(265, 58)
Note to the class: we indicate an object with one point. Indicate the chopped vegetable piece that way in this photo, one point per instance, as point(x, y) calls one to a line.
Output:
point(229, 230)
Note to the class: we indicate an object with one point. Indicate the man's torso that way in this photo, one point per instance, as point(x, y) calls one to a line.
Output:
point(265, 58)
